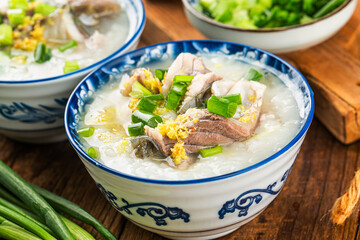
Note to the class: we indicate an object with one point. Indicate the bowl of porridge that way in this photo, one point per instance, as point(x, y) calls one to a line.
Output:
point(190, 139)
point(46, 48)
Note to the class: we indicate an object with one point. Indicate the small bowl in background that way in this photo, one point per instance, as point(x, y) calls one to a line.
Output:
point(277, 40)
point(204, 208)
point(33, 110)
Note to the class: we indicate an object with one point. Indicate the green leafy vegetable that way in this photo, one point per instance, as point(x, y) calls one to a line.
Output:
point(253, 75)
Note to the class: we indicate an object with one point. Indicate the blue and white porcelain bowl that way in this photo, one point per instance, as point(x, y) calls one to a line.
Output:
point(33, 110)
point(279, 40)
point(201, 208)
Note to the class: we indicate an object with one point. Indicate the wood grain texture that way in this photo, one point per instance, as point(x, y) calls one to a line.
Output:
point(320, 174)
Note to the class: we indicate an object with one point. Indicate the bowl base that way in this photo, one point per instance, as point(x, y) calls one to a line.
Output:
point(36, 137)
point(200, 235)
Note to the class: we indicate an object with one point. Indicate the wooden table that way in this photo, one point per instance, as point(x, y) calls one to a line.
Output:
point(321, 172)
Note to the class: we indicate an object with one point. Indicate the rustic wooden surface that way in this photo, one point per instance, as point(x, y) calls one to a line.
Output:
point(321, 172)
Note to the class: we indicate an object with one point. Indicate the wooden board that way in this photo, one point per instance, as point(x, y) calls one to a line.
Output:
point(333, 71)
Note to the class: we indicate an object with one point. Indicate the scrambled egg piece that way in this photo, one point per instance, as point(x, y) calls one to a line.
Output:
point(178, 153)
point(151, 82)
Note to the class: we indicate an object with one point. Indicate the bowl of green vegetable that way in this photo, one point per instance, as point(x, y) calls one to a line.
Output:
point(274, 25)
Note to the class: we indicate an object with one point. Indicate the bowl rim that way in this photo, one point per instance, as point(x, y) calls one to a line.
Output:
point(107, 169)
point(93, 66)
point(204, 18)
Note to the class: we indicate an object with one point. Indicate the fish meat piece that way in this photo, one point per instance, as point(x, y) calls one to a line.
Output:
point(184, 64)
point(95, 8)
point(194, 96)
point(61, 28)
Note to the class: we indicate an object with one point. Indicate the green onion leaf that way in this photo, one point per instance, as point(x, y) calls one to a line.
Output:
point(139, 90)
point(210, 151)
point(42, 53)
point(86, 132)
point(136, 129)
point(16, 16)
point(18, 4)
point(146, 118)
point(329, 7)
point(179, 88)
point(92, 152)
point(253, 75)
point(183, 79)
point(44, 9)
point(146, 105)
point(67, 46)
point(156, 97)
point(6, 37)
point(236, 98)
point(173, 101)
point(160, 73)
point(221, 106)
point(71, 66)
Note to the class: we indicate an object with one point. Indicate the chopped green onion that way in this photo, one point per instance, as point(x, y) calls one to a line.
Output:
point(210, 151)
point(253, 75)
point(160, 73)
point(139, 90)
point(15, 232)
point(179, 88)
point(221, 106)
point(183, 78)
point(329, 7)
point(71, 66)
point(16, 16)
point(173, 100)
point(146, 118)
point(136, 129)
point(44, 9)
point(67, 46)
point(146, 105)
point(86, 132)
point(236, 98)
point(18, 4)
point(6, 37)
point(92, 152)
point(42, 53)
point(156, 97)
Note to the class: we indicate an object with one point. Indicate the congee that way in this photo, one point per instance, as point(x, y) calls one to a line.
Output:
point(47, 38)
point(194, 117)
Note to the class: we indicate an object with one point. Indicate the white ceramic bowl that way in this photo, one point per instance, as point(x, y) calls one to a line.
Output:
point(200, 208)
point(278, 40)
point(33, 110)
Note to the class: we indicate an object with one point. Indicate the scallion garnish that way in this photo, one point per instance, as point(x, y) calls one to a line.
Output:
point(236, 98)
point(179, 88)
point(44, 9)
point(16, 16)
point(160, 73)
point(67, 46)
point(6, 37)
point(210, 151)
point(92, 152)
point(71, 66)
point(139, 90)
point(146, 118)
point(253, 75)
point(86, 132)
point(183, 79)
point(173, 101)
point(42, 53)
point(156, 97)
point(221, 106)
point(146, 105)
point(136, 129)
